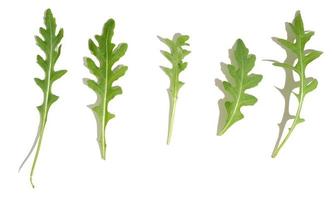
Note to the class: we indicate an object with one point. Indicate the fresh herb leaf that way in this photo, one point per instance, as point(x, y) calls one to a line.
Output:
point(49, 43)
point(306, 84)
point(107, 54)
point(175, 57)
point(239, 81)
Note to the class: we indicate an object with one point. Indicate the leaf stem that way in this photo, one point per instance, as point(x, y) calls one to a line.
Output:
point(295, 122)
point(172, 108)
point(43, 116)
point(40, 138)
point(102, 143)
point(104, 120)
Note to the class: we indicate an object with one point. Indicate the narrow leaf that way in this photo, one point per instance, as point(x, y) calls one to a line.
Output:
point(175, 57)
point(106, 55)
point(52, 49)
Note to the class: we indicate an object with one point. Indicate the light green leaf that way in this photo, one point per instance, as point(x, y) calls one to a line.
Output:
point(240, 81)
point(117, 72)
point(105, 75)
point(167, 71)
point(311, 56)
point(91, 65)
point(287, 45)
point(280, 64)
point(307, 36)
point(252, 81)
point(310, 86)
point(175, 57)
point(305, 84)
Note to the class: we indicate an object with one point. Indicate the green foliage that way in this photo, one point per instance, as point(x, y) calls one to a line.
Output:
point(239, 81)
point(107, 54)
point(49, 43)
point(175, 57)
point(303, 58)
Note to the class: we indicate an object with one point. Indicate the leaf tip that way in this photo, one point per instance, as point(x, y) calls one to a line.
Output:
point(298, 13)
point(110, 22)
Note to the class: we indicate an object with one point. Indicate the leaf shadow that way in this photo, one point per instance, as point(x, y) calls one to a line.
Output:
point(98, 122)
point(219, 84)
point(289, 85)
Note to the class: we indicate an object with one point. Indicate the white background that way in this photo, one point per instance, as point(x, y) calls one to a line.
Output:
point(198, 164)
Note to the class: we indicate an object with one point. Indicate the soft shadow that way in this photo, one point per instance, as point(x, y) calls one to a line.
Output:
point(99, 124)
point(289, 85)
point(219, 84)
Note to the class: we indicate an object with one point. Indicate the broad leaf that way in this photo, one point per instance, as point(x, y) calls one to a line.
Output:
point(239, 81)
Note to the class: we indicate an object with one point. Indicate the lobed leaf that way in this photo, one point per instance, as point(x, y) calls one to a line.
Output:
point(310, 86)
point(305, 84)
point(287, 45)
point(252, 80)
point(239, 80)
point(175, 56)
point(107, 56)
point(311, 56)
point(49, 43)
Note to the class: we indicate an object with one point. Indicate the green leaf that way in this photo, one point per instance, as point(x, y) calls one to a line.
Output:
point(115, 90)
point(175, 56)
point(58, 74)
point(167, 71)
point(310, 86)
point(105, 75)
point(94, 86)
point(252, 81)
point(287, 45)
point(280, 64)
point(298, 24)
point(306, 84)
point(311, 56)
point(118, 52)
point(248, 100)
point(49, 43)
point(118, 72)
point(307, 36)
point(169, 57)
point(90, 64)
point(239, 81)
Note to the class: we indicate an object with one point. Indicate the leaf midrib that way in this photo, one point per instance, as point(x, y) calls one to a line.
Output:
point(105, 85)
point(301, 94)
point(238, 98)
point(301, 91)
point(48, 77)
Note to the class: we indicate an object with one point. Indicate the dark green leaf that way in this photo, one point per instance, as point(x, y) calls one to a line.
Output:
point(50, 45)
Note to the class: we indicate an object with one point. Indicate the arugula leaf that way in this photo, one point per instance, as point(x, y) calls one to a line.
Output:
point(240, 80)
point(175, 57)
point(303, 57)
point(106, 74)
point(49, 43)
